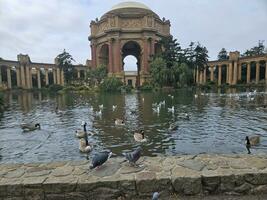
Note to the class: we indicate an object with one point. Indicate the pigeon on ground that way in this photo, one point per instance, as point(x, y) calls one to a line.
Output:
point(132, 157)
point(99, 159)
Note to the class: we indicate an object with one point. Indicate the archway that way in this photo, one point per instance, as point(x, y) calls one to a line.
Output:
point(103, 55)
point(130, 70)
point(132, 51)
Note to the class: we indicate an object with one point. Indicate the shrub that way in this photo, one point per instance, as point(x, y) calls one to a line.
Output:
point(111, 84)
point(146, 86)
point(55, 88)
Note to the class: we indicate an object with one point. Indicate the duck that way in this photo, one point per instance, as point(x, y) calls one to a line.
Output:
point(119, 121)
point(173, 127)
point(114, 107)
point(98, 113)
point(140, 136)
point(84, 147)
point(196, 96)
point(101, 107)
point(252, 141)
point(171, 109)
point(30, 127)
point(81, 133)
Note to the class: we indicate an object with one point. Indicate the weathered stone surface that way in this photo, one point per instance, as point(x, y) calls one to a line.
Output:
point(59, 185)
point(62, 171)
point(185, 175)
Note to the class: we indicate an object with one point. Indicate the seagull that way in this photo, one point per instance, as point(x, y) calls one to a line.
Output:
point(98, 113)
point(157, 109)
point(114, 107)
point(196, 96)
point(171, 109)
point(91, 109)
point(132, 157)
point(99, 159)
point(101, 107)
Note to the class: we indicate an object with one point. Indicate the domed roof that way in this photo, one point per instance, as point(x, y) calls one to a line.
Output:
point(130, 4)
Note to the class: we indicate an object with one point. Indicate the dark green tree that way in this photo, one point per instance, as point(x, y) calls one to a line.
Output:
point(257, 50)
point(97, 75)
point(223, 54)
point(200, 56)
point(64, 61)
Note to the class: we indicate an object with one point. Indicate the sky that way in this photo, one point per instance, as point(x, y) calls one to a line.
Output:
point(42, 29)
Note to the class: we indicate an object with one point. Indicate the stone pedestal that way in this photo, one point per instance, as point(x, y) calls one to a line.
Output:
point(22, 72)
point(235, 74)
point(230, 78)
point(212, 73)
point(38, 79)
point(46, 77)
point(54, 77)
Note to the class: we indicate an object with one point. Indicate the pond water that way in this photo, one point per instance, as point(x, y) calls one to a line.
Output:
point(219, 122)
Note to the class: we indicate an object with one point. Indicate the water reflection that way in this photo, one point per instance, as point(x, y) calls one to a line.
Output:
point(219, 122)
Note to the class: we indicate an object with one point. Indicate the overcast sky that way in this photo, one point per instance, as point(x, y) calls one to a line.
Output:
point(42, 29)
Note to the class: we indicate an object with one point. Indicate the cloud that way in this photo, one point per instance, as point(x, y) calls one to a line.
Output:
point(43, 29)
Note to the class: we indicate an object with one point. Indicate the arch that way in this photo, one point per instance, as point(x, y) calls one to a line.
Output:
point(132, 48)
point(103, 57)
point(130, 63)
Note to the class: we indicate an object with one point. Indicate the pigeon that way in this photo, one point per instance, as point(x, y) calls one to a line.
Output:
point(132, 157)
point(155, 196)
point(99, 159)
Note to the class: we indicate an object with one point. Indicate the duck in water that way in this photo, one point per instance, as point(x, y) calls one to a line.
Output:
point(252, 141)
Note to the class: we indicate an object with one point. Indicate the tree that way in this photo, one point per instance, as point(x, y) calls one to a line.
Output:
point(97, 75)
point(158, 71)
point(200, 56)
point(64, 61)
point(171, 50)
point(223, 54)
point(257, 50)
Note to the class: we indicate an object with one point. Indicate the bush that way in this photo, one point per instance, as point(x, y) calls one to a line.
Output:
point(146, 86)
point(126, 88)
point(111, 84)
point(55, 88)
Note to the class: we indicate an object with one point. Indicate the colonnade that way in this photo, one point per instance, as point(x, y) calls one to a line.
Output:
point(234, 69)
point(46, 74)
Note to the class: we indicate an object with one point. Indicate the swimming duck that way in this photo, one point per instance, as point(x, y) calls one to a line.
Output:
point(101, 107)
point(84, 147)
point(173, 127)
point(252, 141)
point(171, 109)
point(114, 107)
point(30, 127)
point(119, 121)
point(140, 136)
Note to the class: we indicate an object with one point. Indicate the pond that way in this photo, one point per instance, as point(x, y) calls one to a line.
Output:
point(219, 121)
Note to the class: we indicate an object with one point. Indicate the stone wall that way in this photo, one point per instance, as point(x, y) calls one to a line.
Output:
point(199, 176)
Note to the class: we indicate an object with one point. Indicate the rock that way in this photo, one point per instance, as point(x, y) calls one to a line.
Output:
point(192, 164)
point(62, 171)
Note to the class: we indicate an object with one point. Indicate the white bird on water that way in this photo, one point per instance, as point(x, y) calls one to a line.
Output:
point(196, 96)
point(98, 113)
point(114, 107)
point(101, 107)
point(171, 109)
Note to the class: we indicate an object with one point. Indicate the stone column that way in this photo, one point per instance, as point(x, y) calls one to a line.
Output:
point(201, 77)
point(194, 75)
point(265, 72)
point(93, 53)
point(30, 77)
point(8, 71)
point(145, 55)
point(46, 77)
point(62, 77)
point(18, 76)
point(117, 56)
point(211, 73)
point(38, 79)
point(0, 76)
point(197, 76)
point(219, 75)
point(235, 74)
point(22, 73)
point(230, 73)
point(152, 52)
point(78, 73)
point(110, 58)
point(227, 74)
point(248, 72)
point(205, 75)
point(27, 77)
point(58, 76)
point(257, 72)
point(54, 76)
